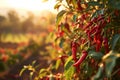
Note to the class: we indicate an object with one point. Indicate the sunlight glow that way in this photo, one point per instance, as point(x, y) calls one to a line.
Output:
point(33, 5)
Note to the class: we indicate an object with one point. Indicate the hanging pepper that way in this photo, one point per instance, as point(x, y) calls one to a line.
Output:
point(74, 50)
point(62, 58)
point(109, 19)
point(89, 36)
point(67, 26)
point(105, 42)
point(103, 23)
point(116, 12)
point(88, 25)
point(93, 30)
point(79, 7)
point(98, 42)
point(98, 45)
point(100, 17)
point(81, 59)
point(60, 32)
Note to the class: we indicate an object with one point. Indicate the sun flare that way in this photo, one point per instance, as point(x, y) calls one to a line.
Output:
point(33, 5)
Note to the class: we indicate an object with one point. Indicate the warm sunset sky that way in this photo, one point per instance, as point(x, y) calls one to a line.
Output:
point(32, 5)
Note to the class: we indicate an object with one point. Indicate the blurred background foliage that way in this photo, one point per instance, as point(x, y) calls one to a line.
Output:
point(22, 38)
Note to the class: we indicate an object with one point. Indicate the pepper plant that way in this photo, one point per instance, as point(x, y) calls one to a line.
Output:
point(87, 40)
point(88, 31)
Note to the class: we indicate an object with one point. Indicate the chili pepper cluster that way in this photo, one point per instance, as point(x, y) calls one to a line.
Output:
point(94, 33)
point(86, 31)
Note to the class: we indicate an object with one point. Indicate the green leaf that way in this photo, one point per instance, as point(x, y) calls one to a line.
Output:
point(33, 63)
point(115, 4)
point(31, 75)
point(68, 1)
point(74, 18)
point(2, 66)
point(57, 5)
point(110, 62)
point(61, 42)
point(88, 70)
point(97, 12)
point(94, 3)
point(57, 64)
point(99, 74)
point(22, 71)
point(74, 2)
point(96, 55)
point(69, 73)
point(109, 67)
point(42, 71)
point(68, 63)
point(51, 77)
point(69, 68)
point(59, 16)
point(114, 41)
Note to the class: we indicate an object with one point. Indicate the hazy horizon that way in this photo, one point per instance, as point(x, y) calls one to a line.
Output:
point(21, 6)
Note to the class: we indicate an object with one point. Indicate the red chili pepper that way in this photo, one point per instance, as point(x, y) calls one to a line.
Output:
point(95, 39)
point(67, 27)
point(81, 59)
point(59, 28)
point(83, 17)
point(2, 50)
point(98, 46)
point(103, 23)
point(98, 42)
point(105, 42)
point(47, 78)
point(62, 58)
point(4, 57)
point(88, 25)
point(116, 12)
point(94, 20)
point(89, 36)
point(83, 40)
point(93, 30)
point(80, 25)
point(108, 20)
point(98, 30)
point(79, 5)
point(100, 17)
point(60, 34)
point(74, 50)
